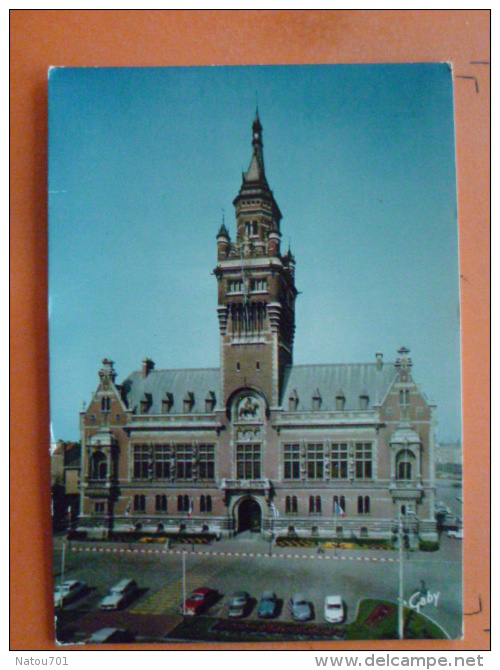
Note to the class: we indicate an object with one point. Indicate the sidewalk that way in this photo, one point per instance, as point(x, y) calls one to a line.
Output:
point(247, 544)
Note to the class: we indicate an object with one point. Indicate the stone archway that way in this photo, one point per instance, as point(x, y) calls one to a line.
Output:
point(249, 516)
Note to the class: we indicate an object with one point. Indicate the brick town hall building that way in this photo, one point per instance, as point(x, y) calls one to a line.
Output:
point(259, 443)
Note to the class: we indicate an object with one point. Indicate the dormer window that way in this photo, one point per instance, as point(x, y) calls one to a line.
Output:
point(210, 402)
point(188, 402)
point(340, 401)
point(166, 403)
point(363, 400)
point(293, 401)
point(145, 403)
point(316, 401)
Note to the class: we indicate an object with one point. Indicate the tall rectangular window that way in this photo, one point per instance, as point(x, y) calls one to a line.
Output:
point(162, 461)
point(206, 461)
point(248, 461)
point(363, 460)
point(291, 461)
point(339, 459)
point(184, 461)
point(141, 461)
point(315, 462)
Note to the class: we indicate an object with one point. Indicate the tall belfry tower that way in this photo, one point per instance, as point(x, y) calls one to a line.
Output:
point(256, 289)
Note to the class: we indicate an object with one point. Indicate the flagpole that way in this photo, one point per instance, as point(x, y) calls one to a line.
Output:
point(335, 520)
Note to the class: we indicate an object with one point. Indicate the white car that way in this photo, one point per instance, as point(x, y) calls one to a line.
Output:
point(334, 609)
point(300, 608)
point(239, 604)
point(457, 534)
point(121, 594)
point(68, 591)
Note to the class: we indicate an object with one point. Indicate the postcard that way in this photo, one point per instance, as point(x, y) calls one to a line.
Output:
point(255, 354)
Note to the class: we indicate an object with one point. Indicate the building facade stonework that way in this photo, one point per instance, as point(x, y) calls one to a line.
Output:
point(259, 443)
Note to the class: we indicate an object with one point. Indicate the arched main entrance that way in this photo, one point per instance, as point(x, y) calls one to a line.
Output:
point(249, 516)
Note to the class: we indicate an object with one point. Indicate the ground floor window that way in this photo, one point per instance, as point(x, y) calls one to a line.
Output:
point(291, 506)
point(139, 503)
point(161, 504)
point(314, 504)
point(339, 505)
point(363, 504)
point(206, 504)
point(183, 503)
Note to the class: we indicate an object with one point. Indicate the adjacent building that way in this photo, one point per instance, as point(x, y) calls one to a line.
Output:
point(259, 443)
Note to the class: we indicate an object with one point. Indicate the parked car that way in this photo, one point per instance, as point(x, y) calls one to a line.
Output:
point(334, 609)
point(68, 591)
point(300, 608)
point(199, 601)
point(457, 534)
point(120, 595)
point(239, 604)
point(268, 605)
point(111, 635)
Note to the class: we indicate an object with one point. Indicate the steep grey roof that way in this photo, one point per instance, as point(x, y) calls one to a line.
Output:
point(179, 383)
point(354, 379)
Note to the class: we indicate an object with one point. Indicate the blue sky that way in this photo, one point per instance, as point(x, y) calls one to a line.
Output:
point(143, 161)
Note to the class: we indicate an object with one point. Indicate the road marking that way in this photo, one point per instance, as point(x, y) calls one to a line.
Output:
point(237, 554)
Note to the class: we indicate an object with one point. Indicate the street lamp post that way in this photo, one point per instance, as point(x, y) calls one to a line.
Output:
point(401, 534)
point(401, 581)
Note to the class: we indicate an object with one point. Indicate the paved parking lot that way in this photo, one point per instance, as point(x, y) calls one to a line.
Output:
point(245, 564)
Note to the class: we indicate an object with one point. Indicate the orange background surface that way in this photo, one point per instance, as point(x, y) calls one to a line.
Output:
point(41, 38)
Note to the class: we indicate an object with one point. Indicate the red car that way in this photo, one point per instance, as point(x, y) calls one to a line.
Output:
point(199, 601)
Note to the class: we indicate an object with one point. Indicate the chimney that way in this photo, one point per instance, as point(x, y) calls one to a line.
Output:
point(379, 356)
point(147, 366)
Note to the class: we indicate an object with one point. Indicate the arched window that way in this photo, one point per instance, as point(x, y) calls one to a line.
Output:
point(98, 466)
point(294, 505)
point(202, 504)
point(139, 503)
point(404, 465)
point(209, 503)
point(288, 505)
point(363, 504)
point(341, 504)
point(314, 504)
point(161, 503)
